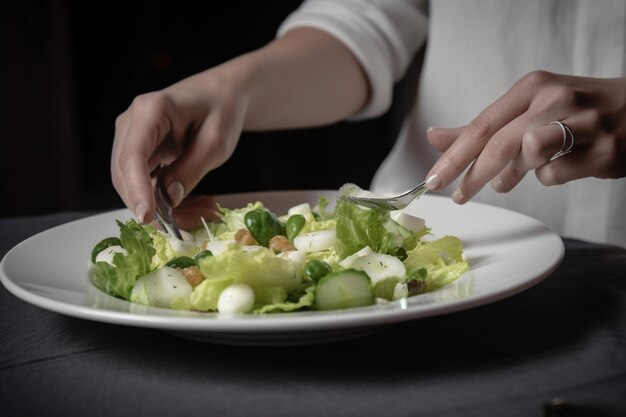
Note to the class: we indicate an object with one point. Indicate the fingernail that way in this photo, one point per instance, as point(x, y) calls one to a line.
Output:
point(457, 196)
point(175, 192)
point(433, 182)
point(140, 213)
point(430, 129)
point(497, 184)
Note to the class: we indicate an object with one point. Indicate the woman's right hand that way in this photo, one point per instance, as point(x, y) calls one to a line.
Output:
point(304, 78)
point(191, 127)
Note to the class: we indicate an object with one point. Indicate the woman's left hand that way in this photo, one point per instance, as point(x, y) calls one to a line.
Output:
point(514, 135)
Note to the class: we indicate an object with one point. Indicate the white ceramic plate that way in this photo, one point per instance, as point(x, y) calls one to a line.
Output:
point(508, 253)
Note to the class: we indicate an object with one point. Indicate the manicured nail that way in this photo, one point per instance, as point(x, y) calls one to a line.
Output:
point(457, 196)
point(175, 192)
point(497, 185)
point(140, 213)
point(433, 182)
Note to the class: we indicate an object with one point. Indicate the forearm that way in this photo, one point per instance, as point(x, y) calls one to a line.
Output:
point(304, 78)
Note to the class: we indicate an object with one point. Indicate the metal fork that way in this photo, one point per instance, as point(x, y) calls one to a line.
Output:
point(164, 211)
point(397, 202)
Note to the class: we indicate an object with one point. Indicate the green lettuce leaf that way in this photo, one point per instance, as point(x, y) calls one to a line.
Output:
point(321, 211)
point(329, 256)
point(164, 251)
point(385, 288)
point(205, 296)
point(233, 219)
point(306, 300)
point(269, 295)
point(119, 280)
point(312, 224)
point(319, 218)
point(358, 227)
point(259, 268)
point(442, 260)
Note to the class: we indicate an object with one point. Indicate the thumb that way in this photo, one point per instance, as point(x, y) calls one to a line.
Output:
point(211, 146)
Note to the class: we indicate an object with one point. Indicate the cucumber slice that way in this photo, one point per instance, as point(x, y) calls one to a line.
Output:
point(344, 289)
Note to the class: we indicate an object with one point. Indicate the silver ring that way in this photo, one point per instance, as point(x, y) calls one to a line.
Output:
point(568, 140)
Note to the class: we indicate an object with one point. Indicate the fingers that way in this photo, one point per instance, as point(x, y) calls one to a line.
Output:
point(541, 143)
point(442, 138)
point(537, 147)
point(191, 135)
point(473, 139)
point(504, 147)
point(210, 147)
point(139, 133)
point(121, 128)
point(513, 136)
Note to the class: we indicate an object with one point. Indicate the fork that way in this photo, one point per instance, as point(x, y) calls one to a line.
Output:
point(397, 202)
point(164, 211)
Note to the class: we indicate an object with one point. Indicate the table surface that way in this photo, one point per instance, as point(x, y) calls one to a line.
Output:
point(561, 343)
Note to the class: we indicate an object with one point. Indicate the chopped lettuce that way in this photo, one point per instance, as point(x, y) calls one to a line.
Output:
point(167, 247)
point(258, 268)
point(312, 224)
point(320, 210)
point(385, 289)
point(233, 220)
point(205, 296)
point(269, 295)
point(437, 262)
point(306, 300)
point(119, 280)
point(318, 218)
point(358, 227)
point(329, 256)
point(163, 251)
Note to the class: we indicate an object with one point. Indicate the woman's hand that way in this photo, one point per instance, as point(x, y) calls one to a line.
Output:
point(305, 78)
point(514, 135)
point(192, 127)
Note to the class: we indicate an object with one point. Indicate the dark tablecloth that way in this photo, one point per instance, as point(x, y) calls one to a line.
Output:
point(563, 343)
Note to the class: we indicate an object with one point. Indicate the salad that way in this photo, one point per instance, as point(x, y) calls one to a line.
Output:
point(251, 260)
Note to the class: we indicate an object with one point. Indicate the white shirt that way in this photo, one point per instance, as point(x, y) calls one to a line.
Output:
point(476, 50)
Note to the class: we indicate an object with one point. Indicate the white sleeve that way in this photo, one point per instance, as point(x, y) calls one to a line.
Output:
point(383, 35)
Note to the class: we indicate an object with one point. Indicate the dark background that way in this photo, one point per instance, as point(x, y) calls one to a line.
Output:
point(70, 67)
